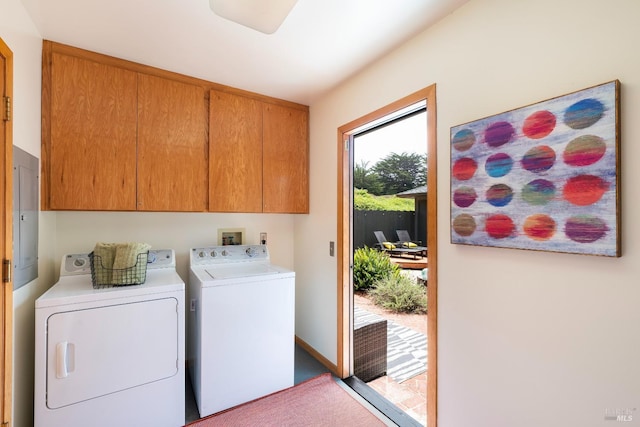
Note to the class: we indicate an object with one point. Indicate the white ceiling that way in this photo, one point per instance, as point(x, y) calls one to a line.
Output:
point(320, 43)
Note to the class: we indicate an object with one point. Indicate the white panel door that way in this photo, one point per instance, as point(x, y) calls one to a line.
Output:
point(94, 352)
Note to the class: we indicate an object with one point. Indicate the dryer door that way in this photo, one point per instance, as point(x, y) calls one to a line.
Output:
point(94, 352)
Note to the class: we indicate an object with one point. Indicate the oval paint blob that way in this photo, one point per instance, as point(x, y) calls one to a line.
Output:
point(464, 225)
point(499, 226)
point(585, 228)
point(464, 197)
point(499, 195)
point(463, 139)
point(498, 134)
point(538, 159)
point(539, 227)
point(498, 165)
point(584, 190)
point(539, 124)
point(538, 192)
point(583, 113)
point(585, 150)
point(464, 168)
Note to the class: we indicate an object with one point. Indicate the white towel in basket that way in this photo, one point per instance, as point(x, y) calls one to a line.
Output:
point(104, 254)
point(126, 257)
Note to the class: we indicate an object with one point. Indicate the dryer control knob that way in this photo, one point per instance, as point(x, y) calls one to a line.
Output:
point(202, 254)
point(250, 252)
point(79, 262)
point(214, 254)
point(224, 252)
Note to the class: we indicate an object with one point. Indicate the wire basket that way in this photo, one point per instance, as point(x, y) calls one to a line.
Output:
point(107, 277)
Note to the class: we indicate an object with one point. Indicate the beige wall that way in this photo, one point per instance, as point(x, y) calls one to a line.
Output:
point(525, 338)
point(79, 231)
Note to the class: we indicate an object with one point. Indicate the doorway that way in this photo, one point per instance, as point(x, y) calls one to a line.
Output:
point(6, 175)
point(345, 233)
point(389, 297)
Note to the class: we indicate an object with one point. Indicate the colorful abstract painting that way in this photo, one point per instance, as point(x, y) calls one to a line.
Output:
point(542, 177)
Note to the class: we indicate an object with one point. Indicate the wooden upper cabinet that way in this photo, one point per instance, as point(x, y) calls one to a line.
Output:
point(259, 160)
point(121, 136)
point(235, 153)
point(92, 126)
point(172, 146)
point(285, 146)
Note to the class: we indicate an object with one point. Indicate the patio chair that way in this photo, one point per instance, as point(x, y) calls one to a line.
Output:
point(394, 249)
point(383, 244)
point(405, 241)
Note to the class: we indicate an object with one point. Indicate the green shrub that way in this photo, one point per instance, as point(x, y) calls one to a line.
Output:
point(399, 293)
point(371, 265)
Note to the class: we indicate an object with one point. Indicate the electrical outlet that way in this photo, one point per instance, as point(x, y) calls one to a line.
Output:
point(263, 238)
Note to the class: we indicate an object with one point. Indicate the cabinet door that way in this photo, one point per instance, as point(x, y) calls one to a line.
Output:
point(285, 159)
point(235, 153)
point(172, 146)
point(92, 159)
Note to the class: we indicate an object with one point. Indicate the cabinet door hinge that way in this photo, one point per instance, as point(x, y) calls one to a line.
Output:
point(6, 270)
point(7, 108)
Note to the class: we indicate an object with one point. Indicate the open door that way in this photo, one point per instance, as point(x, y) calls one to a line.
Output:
point(345, 257)
point(6, 174)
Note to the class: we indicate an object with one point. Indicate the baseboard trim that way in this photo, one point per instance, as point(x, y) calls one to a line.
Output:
point(319, 357)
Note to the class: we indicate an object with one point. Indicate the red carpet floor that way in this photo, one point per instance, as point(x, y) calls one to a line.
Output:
point(316, 402)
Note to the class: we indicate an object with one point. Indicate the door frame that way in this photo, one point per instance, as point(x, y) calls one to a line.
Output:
point(344, 256)
point(6, 296)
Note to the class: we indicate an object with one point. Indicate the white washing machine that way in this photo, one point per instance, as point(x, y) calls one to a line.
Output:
point(241, 332)
point(113, 356)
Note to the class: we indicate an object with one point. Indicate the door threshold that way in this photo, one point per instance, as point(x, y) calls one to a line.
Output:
point(381, 403)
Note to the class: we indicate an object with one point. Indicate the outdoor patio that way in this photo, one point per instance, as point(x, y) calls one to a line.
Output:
point(408, 390)
point(410, 395)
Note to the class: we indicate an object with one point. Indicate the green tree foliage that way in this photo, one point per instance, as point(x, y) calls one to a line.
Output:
point(364, 178)
point(401, 172)
point(363, 201)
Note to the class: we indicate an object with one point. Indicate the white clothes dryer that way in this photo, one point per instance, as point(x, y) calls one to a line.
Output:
point(113, 356)
point(242, 326)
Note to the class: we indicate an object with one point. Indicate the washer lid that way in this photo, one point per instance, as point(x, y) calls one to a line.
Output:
point(247, 270)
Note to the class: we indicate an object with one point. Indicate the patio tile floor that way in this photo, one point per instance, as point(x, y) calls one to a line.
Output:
point(410, 395)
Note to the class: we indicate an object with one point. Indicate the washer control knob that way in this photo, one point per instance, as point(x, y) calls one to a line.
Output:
point(214, 254)
point(224, 252)
point(202, 254)
point(250, 252)
point(79, 262)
